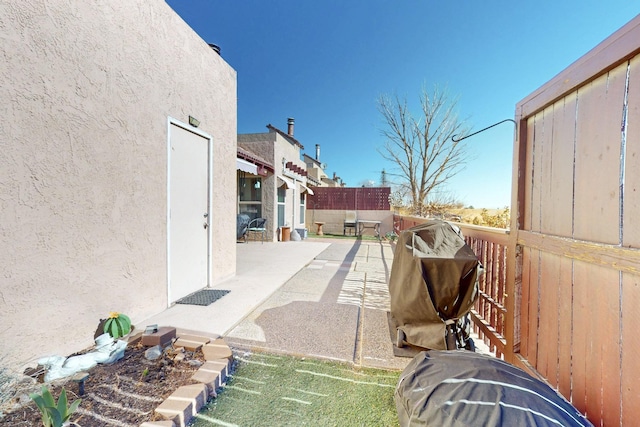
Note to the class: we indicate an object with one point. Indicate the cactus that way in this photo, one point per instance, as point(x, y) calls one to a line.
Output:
point(117, 325)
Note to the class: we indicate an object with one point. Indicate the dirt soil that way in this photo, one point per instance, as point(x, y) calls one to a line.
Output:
point(124, 393)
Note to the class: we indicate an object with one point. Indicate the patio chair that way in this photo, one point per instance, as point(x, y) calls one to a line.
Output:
point(257, 225)
point(242, 223)
point(350, 221)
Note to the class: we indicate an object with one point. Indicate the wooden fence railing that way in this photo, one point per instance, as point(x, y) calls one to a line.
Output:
point(490, 246)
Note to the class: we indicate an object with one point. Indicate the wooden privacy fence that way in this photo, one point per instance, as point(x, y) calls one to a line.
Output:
point(490, 246)
point(569, 307)
point(575, 231)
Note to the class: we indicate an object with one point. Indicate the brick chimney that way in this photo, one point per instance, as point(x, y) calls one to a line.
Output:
point(317, 152)
point(290, 122)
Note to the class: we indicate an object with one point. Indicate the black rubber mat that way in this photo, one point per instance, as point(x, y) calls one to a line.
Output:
point(203, 297)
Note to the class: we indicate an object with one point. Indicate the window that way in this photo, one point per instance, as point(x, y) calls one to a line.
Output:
point(302, 207)
point(282, 193)
point(250, 196)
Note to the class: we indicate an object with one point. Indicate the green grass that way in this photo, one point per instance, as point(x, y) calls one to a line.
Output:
point(269, 390)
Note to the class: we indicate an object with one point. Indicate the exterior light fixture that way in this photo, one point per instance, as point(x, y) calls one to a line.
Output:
point(194, 122)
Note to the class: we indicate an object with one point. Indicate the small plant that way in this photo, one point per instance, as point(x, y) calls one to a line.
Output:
point(117, 325)
point(54, 414)
point(391, 236)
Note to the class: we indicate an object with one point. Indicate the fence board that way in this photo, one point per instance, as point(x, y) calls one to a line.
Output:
point(533, 306)
point(496, 312)
point(631, 232)
point(536, 177)
point(593, 351)
point(597, 195)
point(549, 311)
point(601, 292)
point(527, 181)
point(608, 298)
point(581, 329)
point(544, 165)
point(557, 217)
point(525, 302)
point(630, 349)
point(502, 280)
point(565, 325)
point(612, 256)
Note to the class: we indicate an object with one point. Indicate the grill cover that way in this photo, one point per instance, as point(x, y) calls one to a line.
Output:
point(461, 388)
point(434, 278)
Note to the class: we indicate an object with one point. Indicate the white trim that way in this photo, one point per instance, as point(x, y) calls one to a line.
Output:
point(171, 121)
point(246, 166)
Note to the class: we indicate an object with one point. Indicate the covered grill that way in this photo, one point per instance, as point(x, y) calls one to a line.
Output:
point(433, 285)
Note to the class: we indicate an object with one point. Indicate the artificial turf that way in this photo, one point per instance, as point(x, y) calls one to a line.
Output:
point(274, 390)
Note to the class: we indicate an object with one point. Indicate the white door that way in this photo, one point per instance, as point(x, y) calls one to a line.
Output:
point(188, 220)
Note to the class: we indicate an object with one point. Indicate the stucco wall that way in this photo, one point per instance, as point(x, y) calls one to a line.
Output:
point(262, 144)
point(87, 89)
point(291, 153)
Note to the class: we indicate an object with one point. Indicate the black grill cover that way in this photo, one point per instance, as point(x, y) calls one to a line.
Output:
point(461, 388)
point(434, 278)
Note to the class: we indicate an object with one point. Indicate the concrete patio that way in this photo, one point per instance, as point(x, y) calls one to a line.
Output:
point(323, 298)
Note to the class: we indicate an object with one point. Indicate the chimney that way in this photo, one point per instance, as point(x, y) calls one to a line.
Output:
point(290, 121)
point(317, 152)
point(215, 48)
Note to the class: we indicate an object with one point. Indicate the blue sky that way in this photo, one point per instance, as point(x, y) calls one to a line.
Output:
point(326, 62)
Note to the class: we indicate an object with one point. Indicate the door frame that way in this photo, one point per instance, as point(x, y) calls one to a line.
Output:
point(175, 122)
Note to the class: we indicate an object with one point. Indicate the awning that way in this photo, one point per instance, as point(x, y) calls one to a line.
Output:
point(305, 188)
point(287, 183)
point(246, 166)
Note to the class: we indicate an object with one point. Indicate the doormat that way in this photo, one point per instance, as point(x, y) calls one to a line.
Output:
point(203, 297)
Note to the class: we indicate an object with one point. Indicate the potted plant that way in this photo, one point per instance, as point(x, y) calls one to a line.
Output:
point(55, 414)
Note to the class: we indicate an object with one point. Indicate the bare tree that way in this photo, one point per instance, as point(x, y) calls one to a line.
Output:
point(421, 146)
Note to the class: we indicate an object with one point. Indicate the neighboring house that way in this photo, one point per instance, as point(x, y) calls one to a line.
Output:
point(109, 199)
point(281, 195)
point(315, 170)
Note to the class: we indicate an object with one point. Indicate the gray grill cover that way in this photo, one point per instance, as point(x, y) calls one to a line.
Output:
point(462, 388)
point(434, 277)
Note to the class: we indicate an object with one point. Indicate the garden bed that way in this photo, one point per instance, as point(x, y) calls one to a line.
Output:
point(124, 393)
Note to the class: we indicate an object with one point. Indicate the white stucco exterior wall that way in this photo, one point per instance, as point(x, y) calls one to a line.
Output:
point(86, 92)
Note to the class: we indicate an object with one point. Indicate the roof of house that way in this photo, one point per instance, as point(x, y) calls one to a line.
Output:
point(285, 135)
point(317, 162)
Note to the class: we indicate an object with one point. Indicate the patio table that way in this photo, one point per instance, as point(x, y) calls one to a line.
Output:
point(363, 223)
